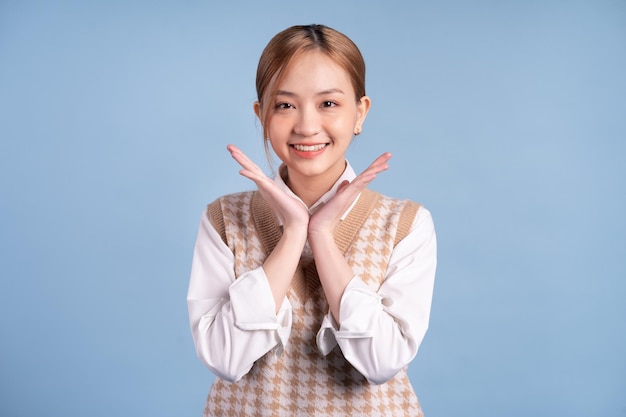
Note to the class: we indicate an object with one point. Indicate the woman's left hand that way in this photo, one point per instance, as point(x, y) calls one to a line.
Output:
point(326, 219)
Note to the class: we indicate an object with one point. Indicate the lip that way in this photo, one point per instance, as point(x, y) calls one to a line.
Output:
point(308, 154)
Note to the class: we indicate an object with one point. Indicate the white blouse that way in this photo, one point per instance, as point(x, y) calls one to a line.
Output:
point(234, 321)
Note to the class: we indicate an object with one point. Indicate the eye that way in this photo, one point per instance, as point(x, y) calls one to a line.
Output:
point(328, 103)
point(283, 106)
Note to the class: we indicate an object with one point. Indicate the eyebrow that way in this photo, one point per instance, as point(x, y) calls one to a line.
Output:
point(324, 92)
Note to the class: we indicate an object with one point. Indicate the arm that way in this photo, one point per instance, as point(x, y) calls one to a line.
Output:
point(380, 332)
point(233, 322)
point(332, 268)
point(281, 264)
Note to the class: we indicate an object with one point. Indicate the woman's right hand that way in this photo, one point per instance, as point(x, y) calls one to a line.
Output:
point(291, 212)
point(281, 264)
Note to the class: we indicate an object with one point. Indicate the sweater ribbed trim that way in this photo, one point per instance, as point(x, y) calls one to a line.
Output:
point(265, 223)
point(406, 221)
point(270, 232)
point(350, 226)
point(216, 217)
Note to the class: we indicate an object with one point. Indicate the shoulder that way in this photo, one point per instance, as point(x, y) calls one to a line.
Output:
point(401, 212)
point(408, 208)
point(228, 209)
point(233, 198)
point(414, 215)
point(230, 203)
point(388, 199)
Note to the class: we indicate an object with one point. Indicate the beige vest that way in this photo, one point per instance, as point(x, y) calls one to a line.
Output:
point(302, 382)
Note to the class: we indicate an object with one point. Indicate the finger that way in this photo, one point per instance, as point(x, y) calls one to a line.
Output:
point(360, 182)
point(232, 148)
point(343, 185)
point(377, 167)
point(254, 176)
point(379, 164)
point(239, 156)
point(384, 157)
point(243, 160)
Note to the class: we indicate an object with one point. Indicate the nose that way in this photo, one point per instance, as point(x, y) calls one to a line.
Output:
point(308, 122)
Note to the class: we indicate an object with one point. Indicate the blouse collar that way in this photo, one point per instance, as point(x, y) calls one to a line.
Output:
point(348, 174)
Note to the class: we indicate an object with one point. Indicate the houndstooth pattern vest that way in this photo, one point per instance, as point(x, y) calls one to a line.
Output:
point(301, 381)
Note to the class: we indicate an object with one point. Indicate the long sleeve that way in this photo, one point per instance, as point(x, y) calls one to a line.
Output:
point(381, 331)
point(233, 321)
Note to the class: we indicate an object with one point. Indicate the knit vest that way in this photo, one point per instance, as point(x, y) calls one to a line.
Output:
point(301, 381)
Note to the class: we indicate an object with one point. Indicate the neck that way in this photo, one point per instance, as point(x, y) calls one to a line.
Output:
point(308, 192)
point(310, 189)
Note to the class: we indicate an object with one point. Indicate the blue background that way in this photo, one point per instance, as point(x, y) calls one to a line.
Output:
point(506, 119)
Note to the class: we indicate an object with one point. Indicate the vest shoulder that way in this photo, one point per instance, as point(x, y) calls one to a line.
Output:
point(402, 212)
point(233, 201)
point(228, 209)
point(235, 197)
point(392, 200)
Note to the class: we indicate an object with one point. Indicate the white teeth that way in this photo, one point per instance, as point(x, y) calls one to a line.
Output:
point(309, 148)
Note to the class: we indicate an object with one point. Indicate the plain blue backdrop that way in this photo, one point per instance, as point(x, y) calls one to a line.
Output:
point(507, 119)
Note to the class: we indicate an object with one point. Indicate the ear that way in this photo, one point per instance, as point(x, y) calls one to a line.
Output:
point(257, 110)
point(362, 107)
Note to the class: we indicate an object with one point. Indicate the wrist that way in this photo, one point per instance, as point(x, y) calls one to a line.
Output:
point(295, 233)
point(321, 237)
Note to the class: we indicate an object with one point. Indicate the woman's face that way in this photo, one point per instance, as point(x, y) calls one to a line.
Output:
point(313, 118)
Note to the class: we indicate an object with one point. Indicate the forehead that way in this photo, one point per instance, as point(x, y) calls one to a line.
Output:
point(314, 68)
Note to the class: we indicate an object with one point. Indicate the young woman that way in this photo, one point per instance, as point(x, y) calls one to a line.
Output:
point(311, 295)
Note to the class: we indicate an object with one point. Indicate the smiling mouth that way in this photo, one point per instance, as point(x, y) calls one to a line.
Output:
point(309, 148)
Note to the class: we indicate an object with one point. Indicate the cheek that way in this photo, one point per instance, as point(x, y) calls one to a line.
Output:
point(278, 125)
point(343, 125)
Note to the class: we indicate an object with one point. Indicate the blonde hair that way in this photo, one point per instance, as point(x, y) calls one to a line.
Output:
point(286, 46)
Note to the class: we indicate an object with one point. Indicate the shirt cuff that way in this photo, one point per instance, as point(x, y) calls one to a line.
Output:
point(253, 303)
point(358, 308)
point(326, 340)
